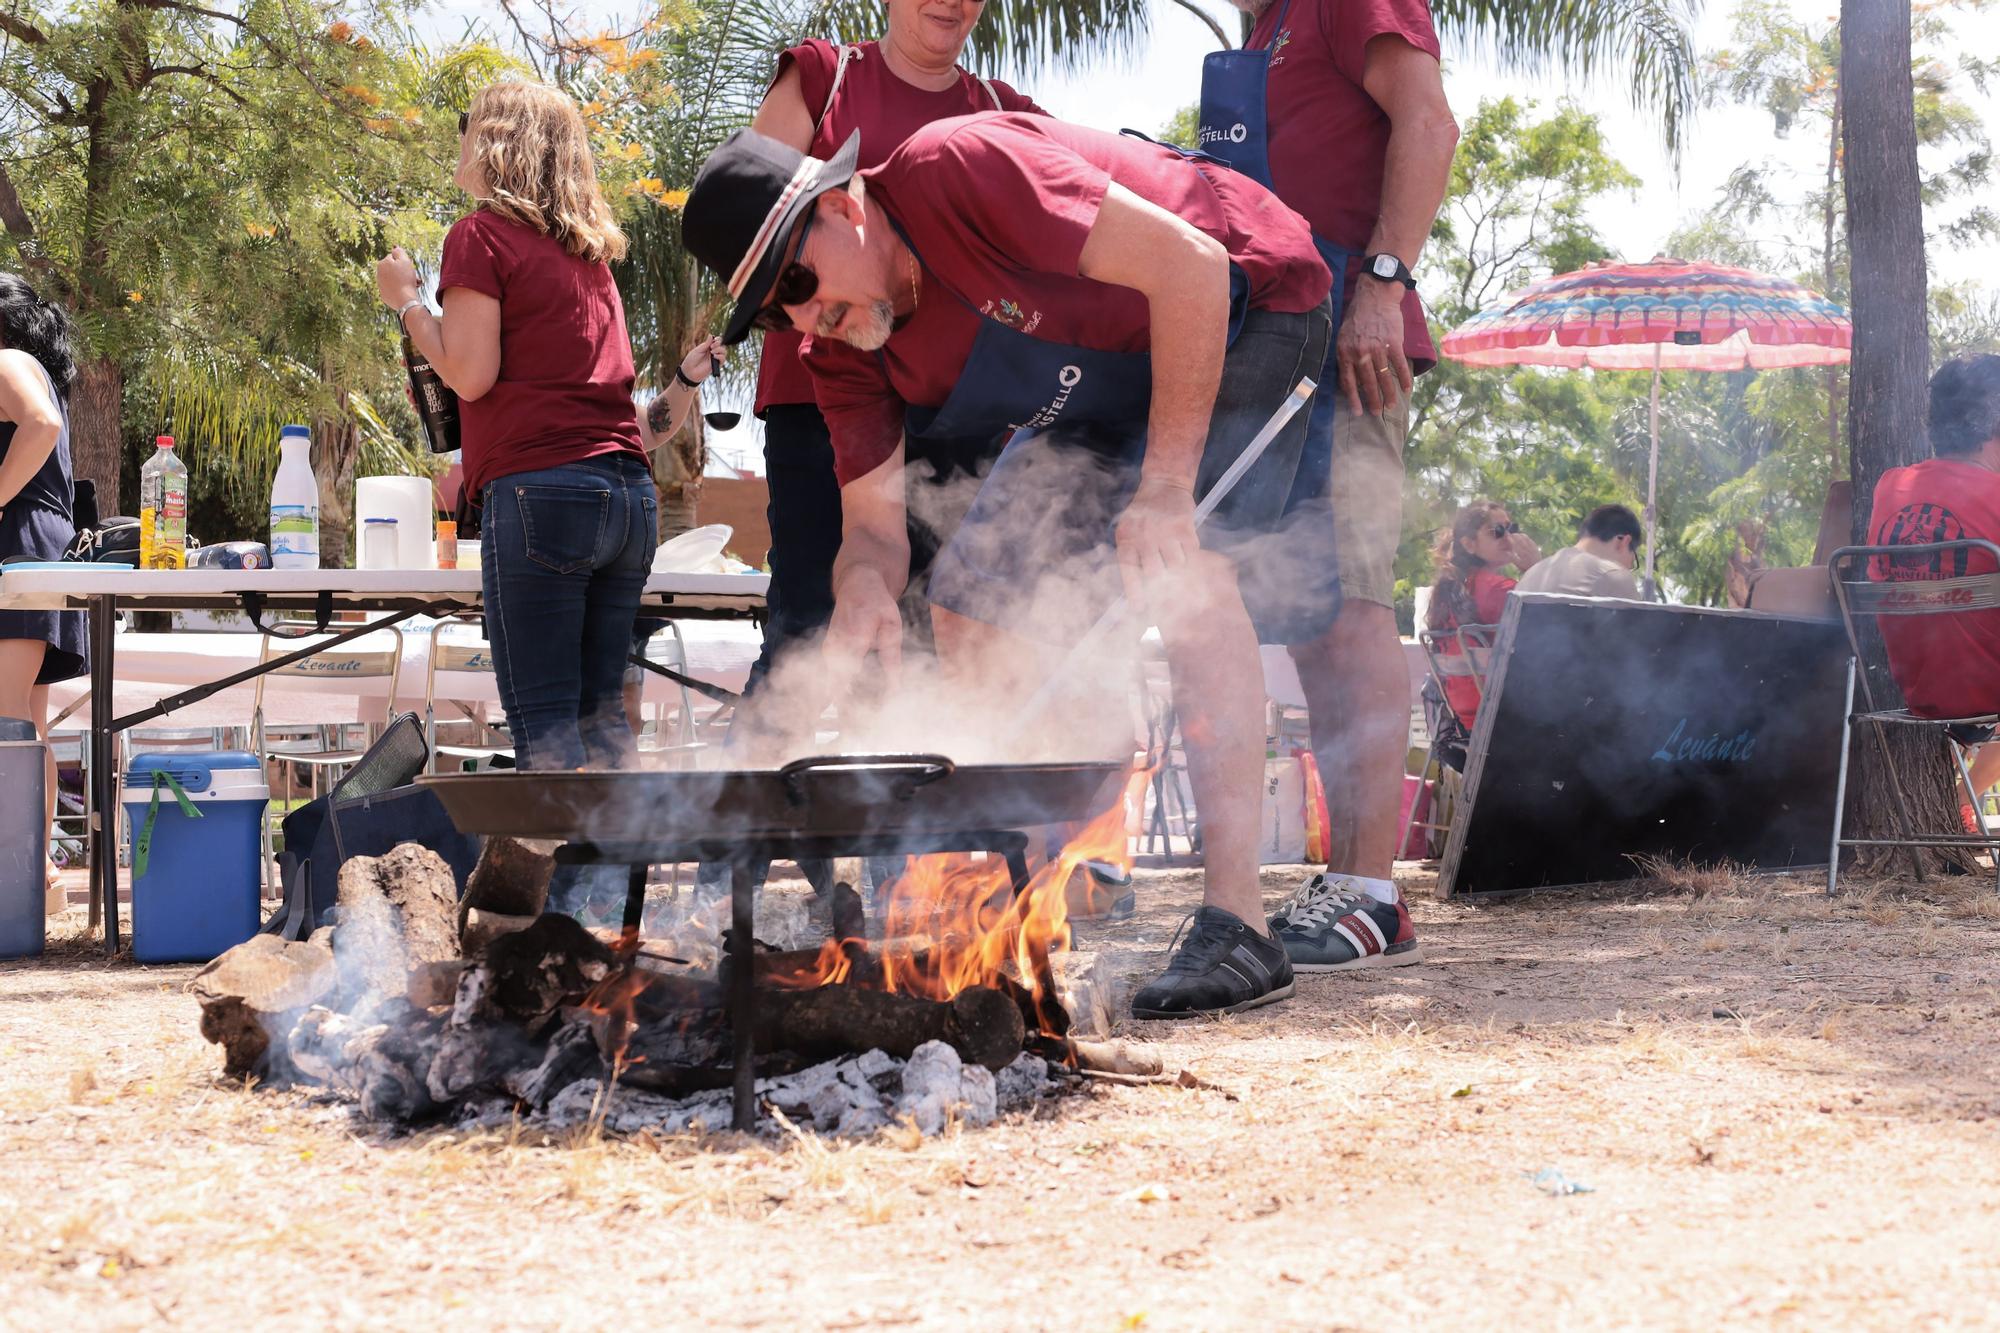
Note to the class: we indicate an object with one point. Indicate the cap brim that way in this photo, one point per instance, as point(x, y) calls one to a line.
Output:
point(839, 170)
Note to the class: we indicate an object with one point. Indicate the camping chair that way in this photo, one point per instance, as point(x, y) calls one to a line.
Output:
point(459, 655)
point(1449, 733)
point(1934, 594)
point(320, 749)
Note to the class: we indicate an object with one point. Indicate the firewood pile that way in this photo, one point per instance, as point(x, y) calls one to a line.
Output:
point(422, 1005)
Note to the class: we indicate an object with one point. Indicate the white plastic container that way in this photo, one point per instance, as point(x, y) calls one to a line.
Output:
point(295, 503)
point(380, 544)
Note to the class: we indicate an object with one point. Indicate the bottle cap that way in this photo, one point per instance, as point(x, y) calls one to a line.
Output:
point(294, 430)
point(378, 520)
point(164, 441)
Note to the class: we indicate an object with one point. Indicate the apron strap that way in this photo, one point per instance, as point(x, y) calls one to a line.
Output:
point(847, 53)
point(990, 93)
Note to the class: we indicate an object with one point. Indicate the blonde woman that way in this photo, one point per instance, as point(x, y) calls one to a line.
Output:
point(533, 340)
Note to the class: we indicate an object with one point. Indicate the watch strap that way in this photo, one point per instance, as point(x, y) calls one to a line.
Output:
point(1401, 275)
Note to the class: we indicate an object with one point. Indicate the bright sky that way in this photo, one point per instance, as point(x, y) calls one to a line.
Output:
point(1166, 75)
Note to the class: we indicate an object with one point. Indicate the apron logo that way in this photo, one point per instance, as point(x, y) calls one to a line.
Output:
point(1010, 313)
point(1238, 132)
point(1068, 377)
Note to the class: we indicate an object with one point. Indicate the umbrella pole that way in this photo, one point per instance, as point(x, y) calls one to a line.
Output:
point(1653, 477)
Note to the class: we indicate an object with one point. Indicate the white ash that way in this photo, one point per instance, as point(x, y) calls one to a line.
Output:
point(849, 1097)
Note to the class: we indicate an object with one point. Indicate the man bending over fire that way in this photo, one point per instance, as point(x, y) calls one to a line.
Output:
point(1142, 315)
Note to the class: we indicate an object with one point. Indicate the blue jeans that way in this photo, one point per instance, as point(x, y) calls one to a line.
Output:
point(563, 555)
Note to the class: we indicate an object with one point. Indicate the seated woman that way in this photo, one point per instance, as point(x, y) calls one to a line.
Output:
point(1471, 590)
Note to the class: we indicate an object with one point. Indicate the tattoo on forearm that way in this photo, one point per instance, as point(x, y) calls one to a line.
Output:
point(658, 414)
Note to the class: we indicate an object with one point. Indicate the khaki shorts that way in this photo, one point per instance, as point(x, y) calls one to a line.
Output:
point(1368, 499)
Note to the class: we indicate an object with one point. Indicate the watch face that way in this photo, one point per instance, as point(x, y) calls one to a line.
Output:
point(1385, 266)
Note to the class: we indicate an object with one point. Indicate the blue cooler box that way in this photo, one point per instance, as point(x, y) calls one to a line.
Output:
point(198, 895)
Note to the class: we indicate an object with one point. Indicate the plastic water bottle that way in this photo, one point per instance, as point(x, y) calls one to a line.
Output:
point(295, 503)
point(163, 488)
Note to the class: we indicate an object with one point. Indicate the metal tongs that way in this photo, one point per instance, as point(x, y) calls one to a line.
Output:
point(1098, 637)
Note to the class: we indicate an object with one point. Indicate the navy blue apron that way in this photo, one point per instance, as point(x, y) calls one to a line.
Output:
point(1235, 128)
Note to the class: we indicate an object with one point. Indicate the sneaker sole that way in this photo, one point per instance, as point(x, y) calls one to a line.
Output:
point(1283, 992)
point(1413, 954)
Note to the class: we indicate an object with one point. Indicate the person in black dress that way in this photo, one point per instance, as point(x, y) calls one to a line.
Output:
point(37, 499)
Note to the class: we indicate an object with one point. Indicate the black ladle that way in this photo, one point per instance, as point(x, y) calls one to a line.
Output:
point(720, 420)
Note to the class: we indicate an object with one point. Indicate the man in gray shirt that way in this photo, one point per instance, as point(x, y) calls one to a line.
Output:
point(1599, 565)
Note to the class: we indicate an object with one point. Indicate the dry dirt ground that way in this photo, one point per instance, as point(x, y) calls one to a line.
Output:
point(1785, 1110)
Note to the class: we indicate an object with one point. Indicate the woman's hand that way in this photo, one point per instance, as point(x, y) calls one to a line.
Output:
point(396, 279)
point(1522, 547)
point(702, 359)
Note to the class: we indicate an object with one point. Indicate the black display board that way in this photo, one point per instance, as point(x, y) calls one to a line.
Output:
point(1614, 729)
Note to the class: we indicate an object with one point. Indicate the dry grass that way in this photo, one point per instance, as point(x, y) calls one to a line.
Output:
point(1759, 1085)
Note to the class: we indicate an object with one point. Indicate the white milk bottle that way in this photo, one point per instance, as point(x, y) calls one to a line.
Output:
point(295, 503)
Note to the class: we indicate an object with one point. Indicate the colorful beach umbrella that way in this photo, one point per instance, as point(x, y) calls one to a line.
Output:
point(1665, 314)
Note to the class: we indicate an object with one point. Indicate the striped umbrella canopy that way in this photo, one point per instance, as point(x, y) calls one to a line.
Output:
point(1665, 314)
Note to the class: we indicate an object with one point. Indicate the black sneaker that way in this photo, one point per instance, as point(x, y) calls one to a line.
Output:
point(1222, 967)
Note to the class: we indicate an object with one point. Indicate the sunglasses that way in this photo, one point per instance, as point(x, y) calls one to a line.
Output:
point(795, 285)
point(464, 121)
point(1501, 531)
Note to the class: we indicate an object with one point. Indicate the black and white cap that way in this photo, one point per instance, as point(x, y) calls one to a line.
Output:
point(747, 199)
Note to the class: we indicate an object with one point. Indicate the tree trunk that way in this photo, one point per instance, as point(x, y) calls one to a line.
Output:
point(677, 468)
point(336, 444)
point(1888, 377)
point(96, 437)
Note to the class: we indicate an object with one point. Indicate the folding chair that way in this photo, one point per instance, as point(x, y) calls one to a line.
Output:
point(668, 647)
point(1931, 581)
point(459, 655)
point(1455, 656)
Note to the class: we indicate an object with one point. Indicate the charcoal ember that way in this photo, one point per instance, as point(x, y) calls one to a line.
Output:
point(524, 977)
point(394, 911)
point(253, 994)
point(384, 1066)
point(570, 1056)
point(1024, 1081)
point(938, 1086)
point(475, 1062)
point(982, 1025)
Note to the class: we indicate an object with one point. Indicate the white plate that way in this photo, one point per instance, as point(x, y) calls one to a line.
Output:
point(694, 551)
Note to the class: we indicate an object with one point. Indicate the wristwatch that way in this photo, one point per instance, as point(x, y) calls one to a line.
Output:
point(1385, 267)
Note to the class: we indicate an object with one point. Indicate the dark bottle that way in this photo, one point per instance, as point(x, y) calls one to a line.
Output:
point(436, 404)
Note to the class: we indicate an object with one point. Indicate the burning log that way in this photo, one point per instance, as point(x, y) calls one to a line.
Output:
point(511, 879)
point(571, 1055)
point(478, 929)
point(252, 995)
point(395, 911)
point(984, 1026)
point(434, 984)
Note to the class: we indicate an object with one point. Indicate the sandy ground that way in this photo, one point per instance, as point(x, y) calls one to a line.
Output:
point(1785, 1110)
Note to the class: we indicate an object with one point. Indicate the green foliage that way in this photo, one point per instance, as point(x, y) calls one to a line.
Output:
point(1540, 441)
point(1184, 130)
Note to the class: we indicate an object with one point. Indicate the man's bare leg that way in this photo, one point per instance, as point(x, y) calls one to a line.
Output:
point(1357, 690)
point(1217, 678)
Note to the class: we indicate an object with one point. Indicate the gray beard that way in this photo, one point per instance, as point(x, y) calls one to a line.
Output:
point(873, 331)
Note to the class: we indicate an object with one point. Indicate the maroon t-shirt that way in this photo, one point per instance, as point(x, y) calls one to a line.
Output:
point(565, 386)
point(998, 208)
point(872, 99)
point(1329, 140)
point(1948, 665)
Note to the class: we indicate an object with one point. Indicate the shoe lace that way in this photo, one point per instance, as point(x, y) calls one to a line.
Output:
point(1205, 943)
point(1318, 901)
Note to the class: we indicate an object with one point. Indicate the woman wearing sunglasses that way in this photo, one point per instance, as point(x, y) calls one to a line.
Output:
point(1470, 589)
point(533, 341)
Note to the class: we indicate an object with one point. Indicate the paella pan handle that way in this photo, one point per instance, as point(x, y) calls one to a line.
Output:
point(917, 770)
